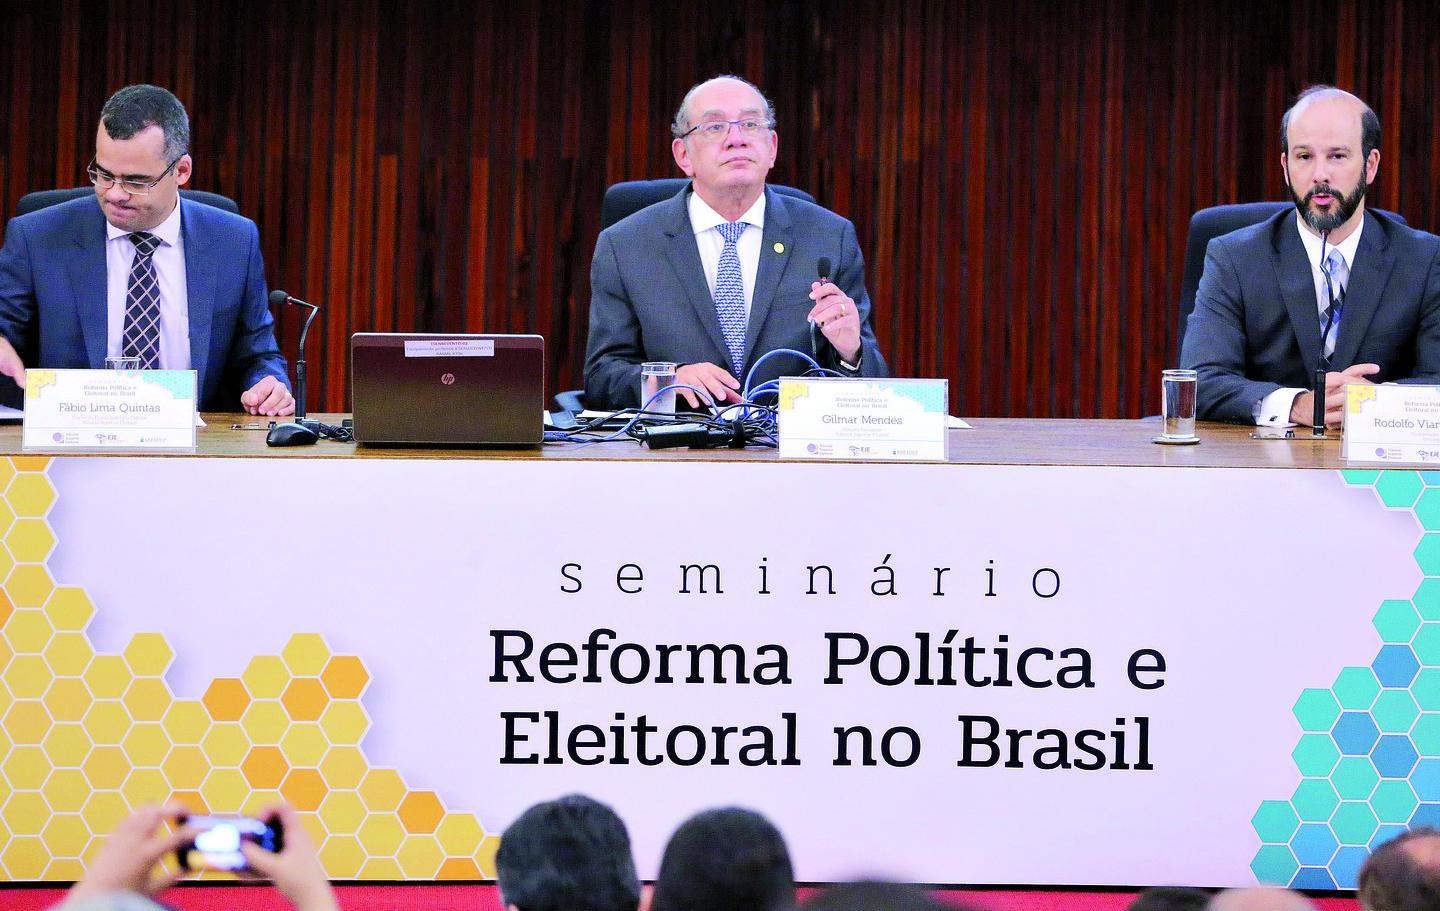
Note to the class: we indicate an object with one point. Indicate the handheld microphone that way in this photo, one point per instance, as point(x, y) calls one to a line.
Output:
point(297, 432)
point(279, 298)
point(822, 268)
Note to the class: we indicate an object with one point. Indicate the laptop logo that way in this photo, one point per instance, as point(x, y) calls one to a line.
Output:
point(448, 379)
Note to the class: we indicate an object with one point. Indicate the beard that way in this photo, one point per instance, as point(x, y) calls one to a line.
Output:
point(1346, 205)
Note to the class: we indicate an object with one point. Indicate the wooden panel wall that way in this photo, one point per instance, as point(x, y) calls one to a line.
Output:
point(1020, 173)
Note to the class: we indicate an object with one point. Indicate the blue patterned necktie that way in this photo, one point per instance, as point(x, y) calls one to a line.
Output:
point(141, 335)
point(730, 294)
point(1330, 319)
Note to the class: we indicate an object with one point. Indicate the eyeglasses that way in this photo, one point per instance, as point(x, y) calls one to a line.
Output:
point(716, 130)
point(104, 180)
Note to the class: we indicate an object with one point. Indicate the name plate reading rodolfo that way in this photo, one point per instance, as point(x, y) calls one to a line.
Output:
point(881, 420)
point(110, 409)
point(1391, 424)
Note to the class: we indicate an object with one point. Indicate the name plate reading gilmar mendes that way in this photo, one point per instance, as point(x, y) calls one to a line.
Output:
point(143, 410)
point(901, 420)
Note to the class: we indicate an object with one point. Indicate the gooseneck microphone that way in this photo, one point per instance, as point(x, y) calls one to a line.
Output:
point(279, 298)
point(822, 269)
point(297, 432)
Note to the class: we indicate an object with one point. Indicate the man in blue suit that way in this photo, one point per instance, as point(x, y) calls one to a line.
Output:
point(137, 272)
point(723, 273)
point(1328, 286)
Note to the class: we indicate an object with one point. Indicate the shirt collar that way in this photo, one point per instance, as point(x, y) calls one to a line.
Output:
point(703, 218)
point(1347, 247)
point(168, 230)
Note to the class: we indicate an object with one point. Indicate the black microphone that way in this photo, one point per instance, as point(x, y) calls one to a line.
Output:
point(297, 432)
point(279, 299)
point(1317, 410)
point(822, 268)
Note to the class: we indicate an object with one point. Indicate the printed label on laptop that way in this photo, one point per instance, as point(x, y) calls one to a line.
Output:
point(450, 347)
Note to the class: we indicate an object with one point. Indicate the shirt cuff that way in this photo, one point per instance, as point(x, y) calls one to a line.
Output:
point(1274, 409)
point(855, 367)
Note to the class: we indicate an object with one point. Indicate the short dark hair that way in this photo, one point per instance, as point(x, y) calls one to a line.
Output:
point(877, 896)
point(138, 107)
point(1392, 879)
point(725, 860)
point(571, 854)
point(1171, 898)
point(1369, 123)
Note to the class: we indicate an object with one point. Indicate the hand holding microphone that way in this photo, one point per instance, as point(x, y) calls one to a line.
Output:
point(835, 313)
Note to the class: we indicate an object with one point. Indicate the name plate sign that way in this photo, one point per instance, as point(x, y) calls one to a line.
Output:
point(1392, 424)
point(109, 409)
point(864, 420)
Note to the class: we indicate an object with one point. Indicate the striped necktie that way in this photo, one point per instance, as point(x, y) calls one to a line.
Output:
point(141, 335)
point(1339, 274)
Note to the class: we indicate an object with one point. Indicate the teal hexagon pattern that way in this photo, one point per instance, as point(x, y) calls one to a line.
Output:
point(1358, 782)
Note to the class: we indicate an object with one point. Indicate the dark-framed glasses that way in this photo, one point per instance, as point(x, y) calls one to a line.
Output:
point(716, 130)
point(104, 180)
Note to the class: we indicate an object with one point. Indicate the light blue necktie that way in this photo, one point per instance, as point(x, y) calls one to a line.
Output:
point(730, 293)
point(1330, 319)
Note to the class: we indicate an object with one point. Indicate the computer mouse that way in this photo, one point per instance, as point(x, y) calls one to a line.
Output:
point(290, 434)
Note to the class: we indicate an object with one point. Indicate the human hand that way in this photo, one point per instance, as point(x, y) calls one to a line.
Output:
point(126, 861)
point(10, 363)
point(838, 318)
point(715, 380)
point(295, 869)
point(269, 396)
point(1302, 411)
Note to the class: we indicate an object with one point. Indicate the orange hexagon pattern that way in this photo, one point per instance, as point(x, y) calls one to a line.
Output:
point(85, 736)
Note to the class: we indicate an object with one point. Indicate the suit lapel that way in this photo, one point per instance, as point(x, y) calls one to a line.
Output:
point(88, 283)
point(684, 257)
point(1368, 274)
point(1297, 289)
point(772, 267)
point(199, 290)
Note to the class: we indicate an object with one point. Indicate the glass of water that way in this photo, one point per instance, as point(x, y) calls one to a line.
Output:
point(655, 377)
point(1177, 404)
point(123, 363)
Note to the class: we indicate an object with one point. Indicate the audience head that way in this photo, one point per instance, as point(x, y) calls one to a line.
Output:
point(877, 896)
point(1403, 874)
point(1170, 898)
point(571, 854)
point(725, 860)
point(1264, 898)
point(142, 156)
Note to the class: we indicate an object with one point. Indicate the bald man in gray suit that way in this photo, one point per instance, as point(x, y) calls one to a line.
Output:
point(724, 272)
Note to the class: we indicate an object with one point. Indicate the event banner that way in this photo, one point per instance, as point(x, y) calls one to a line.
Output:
point(941, 673)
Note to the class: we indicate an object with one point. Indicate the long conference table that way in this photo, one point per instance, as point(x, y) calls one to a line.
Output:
point(1069, 657)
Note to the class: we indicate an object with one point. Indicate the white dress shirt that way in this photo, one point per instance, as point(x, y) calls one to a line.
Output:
point(704, 219)
point(169, 261)
point(1274, 409)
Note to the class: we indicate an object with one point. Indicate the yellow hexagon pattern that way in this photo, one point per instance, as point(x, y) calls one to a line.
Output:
point(87, 736)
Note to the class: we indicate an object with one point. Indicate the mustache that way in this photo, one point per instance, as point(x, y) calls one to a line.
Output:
point(1323, 189)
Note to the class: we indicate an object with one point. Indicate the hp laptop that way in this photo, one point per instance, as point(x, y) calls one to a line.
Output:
point(447, 390)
